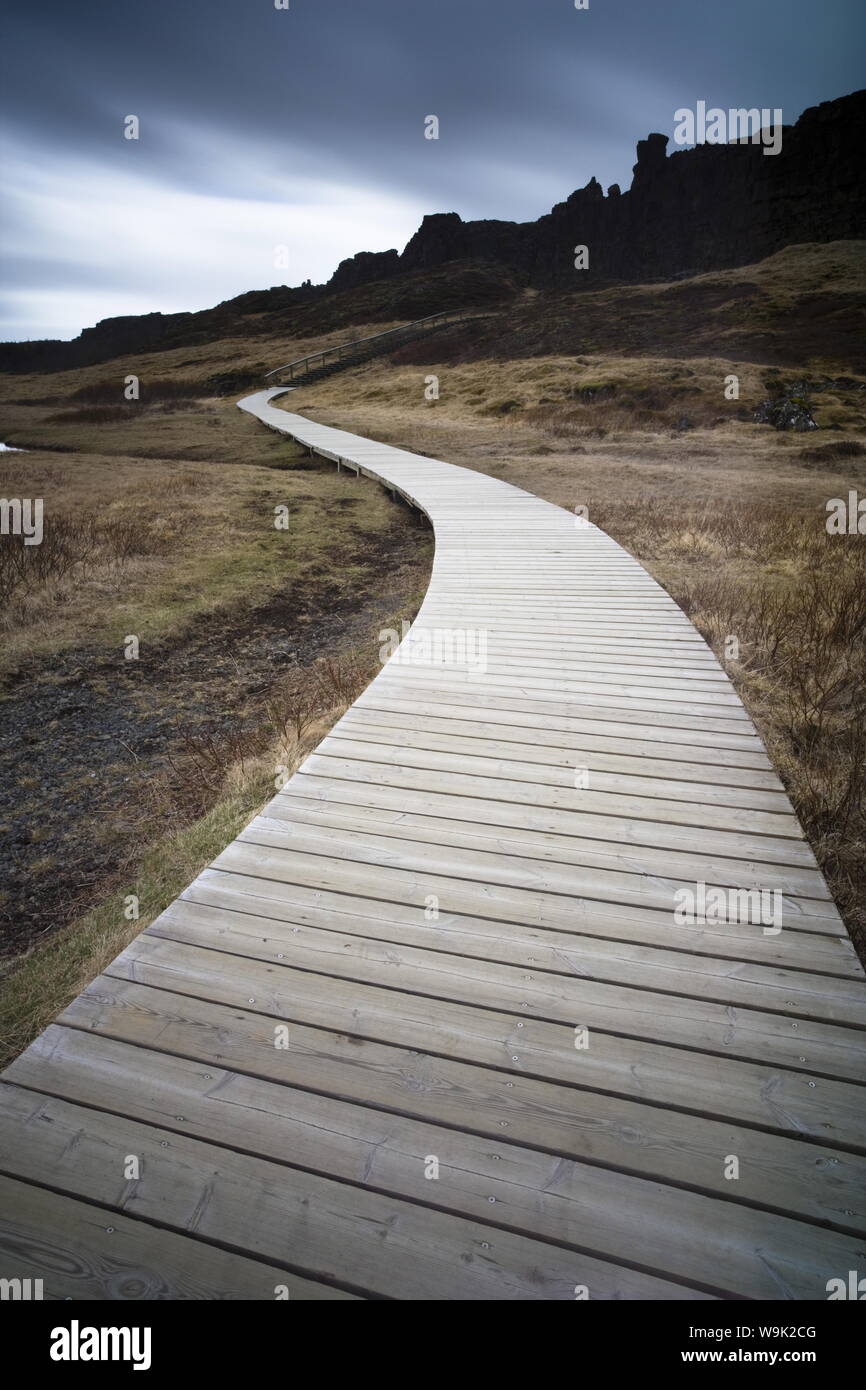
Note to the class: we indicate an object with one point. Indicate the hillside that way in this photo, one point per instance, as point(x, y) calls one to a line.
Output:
point(611, 398)
point(709, 208)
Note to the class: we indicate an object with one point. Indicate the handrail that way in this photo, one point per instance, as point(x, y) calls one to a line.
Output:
point(358, 342)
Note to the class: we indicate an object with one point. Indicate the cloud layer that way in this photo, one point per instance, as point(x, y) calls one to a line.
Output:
point(304, 128)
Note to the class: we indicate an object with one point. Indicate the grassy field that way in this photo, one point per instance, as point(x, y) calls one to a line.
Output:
point(126, 777)
point(151, 542)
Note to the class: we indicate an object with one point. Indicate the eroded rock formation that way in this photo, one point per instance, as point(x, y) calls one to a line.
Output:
point(707, 208)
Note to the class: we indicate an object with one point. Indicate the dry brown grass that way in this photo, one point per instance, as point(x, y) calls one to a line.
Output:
point(794, 598)
point(299, 710)
point(146, 544)
point(69, 546)
point(214, 793)
point(159, 521)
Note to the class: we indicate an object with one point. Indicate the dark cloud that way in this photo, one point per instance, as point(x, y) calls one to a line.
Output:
point(321, 108)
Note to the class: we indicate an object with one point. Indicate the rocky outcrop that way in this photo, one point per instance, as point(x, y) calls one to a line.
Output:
point(708, 208)
point(786, 413)
point(364, 268)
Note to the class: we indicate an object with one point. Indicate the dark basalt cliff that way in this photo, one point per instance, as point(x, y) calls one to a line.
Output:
point(706, 208)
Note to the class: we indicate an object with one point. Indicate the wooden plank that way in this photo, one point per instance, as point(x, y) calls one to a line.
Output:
point(85, 1251)
point(299, 902)
point(562, 732)
point(370, 876)
point(641, 1015)
point(794, 993)
point(557, 1118)
point(503, 741)
point(538, 1195)
point(778, 1100)
point(597, 716)
point(733, 749)
point(497, 801)
point(494, 760)
point(639, 864)
point(687, 713)
point(288, 826)
point(338, 1229)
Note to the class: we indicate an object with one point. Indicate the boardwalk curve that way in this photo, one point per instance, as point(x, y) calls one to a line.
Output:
point(511, 1073)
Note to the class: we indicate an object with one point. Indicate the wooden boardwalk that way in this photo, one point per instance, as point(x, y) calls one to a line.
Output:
point(460, 915)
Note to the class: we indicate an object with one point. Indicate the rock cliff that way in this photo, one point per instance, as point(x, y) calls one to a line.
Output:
point(707, 208)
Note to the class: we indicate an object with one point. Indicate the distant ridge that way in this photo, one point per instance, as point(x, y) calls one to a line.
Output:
point(707, 208)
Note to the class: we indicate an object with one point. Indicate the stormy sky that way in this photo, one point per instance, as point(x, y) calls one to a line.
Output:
point(303, 127)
